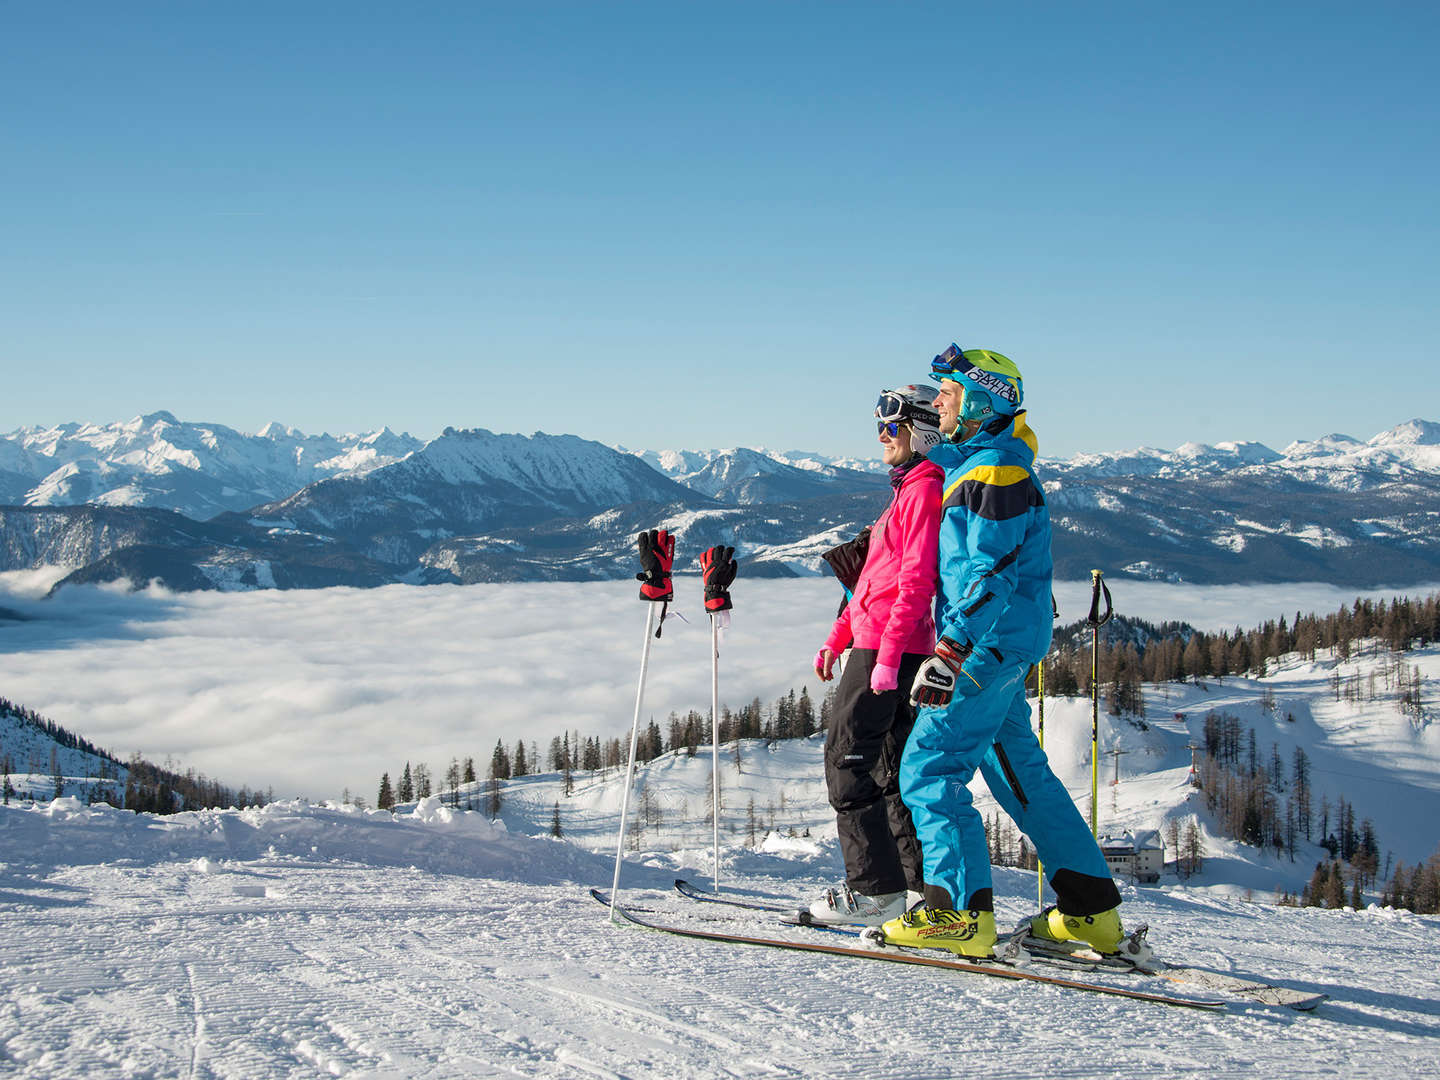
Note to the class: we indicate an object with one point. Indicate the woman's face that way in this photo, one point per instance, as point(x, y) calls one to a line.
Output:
point(896, 448)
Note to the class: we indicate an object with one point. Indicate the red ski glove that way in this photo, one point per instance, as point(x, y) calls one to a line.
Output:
point(934, 683)
point(718, 566)
point(657, 555)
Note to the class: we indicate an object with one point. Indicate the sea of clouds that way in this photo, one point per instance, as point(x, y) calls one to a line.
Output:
point(310, 692)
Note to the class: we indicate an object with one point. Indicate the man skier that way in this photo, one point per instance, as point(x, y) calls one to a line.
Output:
point(994, 613)
point(890, 631)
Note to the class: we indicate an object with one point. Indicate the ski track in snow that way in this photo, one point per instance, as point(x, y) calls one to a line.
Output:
point(487, 959)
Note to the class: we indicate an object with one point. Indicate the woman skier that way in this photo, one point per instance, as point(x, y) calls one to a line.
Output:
point(889, 628)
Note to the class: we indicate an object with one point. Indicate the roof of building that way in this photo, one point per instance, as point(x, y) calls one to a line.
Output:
point(1128, 843)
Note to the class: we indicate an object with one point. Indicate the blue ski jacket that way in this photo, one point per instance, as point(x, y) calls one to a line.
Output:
point(995, 564)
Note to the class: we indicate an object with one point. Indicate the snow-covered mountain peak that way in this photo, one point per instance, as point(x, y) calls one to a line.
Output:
point(199, 469)
point(275, 431)
point(153, 424)
point(1249, 452)
point(1411, 433)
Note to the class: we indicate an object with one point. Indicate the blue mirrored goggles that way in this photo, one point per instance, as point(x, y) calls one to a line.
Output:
point(890, 428)
point(951, 362)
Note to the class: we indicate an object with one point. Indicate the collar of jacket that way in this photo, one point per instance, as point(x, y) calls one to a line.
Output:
point(1013, 437)
point(899, 472)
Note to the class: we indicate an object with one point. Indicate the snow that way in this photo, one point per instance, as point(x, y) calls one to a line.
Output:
point(303, 940)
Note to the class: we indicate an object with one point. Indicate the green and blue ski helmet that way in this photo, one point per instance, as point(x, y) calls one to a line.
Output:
point(992, 382)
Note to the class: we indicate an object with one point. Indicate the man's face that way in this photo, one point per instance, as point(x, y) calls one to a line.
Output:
point(948, 400)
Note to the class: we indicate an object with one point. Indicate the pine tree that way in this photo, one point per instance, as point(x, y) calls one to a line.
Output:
point(519, 766)
point(500, 762)
point(386, 799)
point(1335, 887)
point(805, 714)
point(492, 797)
point(555, 829)
point(407, 786)
point(1192, 848)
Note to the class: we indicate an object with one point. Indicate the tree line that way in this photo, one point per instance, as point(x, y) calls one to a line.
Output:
point(1131, 652)
point(790, 716)
point(1261, 800)
point(147, 787)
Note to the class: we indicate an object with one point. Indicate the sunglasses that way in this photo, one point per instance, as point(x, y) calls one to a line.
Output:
point(890, 428)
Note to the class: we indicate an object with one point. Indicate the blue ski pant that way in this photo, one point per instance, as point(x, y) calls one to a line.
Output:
point(990, 731)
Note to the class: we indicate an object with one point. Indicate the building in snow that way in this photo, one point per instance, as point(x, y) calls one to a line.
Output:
point(1134, 856)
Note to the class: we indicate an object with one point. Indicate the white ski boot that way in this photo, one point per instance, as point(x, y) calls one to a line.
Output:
point(842, 906)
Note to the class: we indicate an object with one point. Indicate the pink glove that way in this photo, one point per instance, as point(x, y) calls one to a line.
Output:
point(824, 665)
point(883, 678)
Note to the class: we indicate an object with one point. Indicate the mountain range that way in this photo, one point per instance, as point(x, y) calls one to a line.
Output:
point(198, 505)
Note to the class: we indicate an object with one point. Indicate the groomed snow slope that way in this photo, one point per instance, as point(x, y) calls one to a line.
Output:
point(300, 941)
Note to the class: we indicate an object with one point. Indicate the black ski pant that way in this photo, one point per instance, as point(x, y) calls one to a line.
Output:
point(863, 744)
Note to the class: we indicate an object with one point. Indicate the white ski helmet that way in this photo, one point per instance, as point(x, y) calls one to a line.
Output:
point(913, 406)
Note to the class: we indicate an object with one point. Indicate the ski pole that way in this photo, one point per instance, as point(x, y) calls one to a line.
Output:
point(630, 768)
point(715, 741)
point(657, 555)
point(1096, 620)
point(718, 567)
point(1039, 863)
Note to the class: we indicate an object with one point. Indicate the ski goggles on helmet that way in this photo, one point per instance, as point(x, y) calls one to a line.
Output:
point(892, 406)
point(891, 410)
point(951, 363)
point(995, 375)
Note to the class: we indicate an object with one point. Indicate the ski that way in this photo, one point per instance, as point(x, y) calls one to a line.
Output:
point(729, 919)
point(1135, 958)
point(684, 888)
point(906, 957)
point(1145, 963)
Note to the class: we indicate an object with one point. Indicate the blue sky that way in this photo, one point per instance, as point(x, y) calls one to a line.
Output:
point(699, 225)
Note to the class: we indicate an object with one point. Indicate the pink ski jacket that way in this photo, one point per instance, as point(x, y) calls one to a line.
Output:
point(891, 610)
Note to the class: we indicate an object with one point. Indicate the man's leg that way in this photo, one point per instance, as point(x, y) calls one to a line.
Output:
point(945, 748)
point(1019, 776)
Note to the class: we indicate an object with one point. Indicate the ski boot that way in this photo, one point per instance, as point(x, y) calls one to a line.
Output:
point(967, 933)
point(1101, 932)
point(842, 906)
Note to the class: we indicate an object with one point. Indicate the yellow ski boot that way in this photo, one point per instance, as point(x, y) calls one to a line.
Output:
point(967, 933)
point(1101, 932)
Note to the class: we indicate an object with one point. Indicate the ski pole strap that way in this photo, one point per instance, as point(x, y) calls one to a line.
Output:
point(1097, 589)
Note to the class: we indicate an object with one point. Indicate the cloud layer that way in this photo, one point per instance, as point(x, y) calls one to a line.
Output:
point(313, 691)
